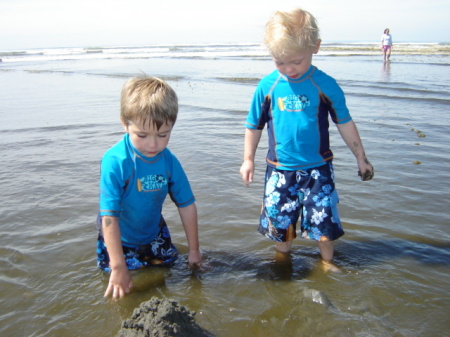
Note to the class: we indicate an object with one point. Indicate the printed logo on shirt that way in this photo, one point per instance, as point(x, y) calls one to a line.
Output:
point(293, 103)
point(151, 183)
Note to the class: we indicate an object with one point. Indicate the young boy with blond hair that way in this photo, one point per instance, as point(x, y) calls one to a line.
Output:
point(295, 102)
point(136, 175)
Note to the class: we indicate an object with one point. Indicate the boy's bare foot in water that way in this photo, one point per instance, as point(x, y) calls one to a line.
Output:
point(329, 267)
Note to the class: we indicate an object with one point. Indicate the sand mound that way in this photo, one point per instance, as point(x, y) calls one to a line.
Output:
point(161, 318)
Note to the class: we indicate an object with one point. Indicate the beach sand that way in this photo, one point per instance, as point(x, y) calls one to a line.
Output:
point(161, 318)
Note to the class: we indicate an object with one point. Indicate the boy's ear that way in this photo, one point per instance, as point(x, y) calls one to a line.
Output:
point(317, 46)
point(125, 125)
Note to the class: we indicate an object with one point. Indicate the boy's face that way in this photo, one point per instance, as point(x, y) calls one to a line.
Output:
point(296, 64)
point(148, 140)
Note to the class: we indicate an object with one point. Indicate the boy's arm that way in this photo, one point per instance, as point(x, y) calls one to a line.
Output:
point(350, 135)
point(188, 217)
point(120, 280)
point(252, 138)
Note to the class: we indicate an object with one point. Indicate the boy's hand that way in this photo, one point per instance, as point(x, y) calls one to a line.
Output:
point(120, 283)
point(366, 171)
point(195, 259)
point(247, 170)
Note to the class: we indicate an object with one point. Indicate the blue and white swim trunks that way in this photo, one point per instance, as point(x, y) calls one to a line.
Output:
point(159, 252)
point(307, 194)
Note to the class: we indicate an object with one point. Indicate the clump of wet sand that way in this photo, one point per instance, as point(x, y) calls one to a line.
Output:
point(162, 318)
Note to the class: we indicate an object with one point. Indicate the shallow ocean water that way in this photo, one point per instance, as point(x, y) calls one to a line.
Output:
point(58, 117)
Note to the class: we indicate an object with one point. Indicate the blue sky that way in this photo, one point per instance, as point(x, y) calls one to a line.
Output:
point(87, 23)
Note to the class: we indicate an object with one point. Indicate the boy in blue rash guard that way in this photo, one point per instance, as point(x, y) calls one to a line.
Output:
point(136, 175)
point(295, 103)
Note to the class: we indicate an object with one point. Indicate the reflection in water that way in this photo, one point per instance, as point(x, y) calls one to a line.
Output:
point(280, 268)
point(386, 71)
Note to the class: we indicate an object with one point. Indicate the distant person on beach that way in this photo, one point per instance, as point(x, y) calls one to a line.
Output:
point(294, 102)
point(386, 45)
point(136, 175)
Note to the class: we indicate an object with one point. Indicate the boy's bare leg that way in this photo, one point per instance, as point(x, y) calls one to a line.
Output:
point(283, 250)
point(327, 251)
point(284, 247)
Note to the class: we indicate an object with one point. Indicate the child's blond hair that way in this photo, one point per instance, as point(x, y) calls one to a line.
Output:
point(296, 30)
point(148, 100)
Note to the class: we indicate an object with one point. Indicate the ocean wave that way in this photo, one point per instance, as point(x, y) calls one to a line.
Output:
point(210, 51)
point(395, 90)
point(399, 97)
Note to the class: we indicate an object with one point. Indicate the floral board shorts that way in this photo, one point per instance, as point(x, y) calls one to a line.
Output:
point(311, 194)
point(159, 252)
